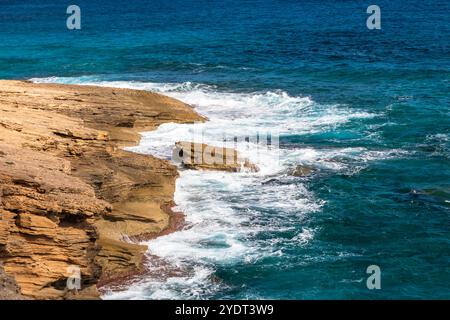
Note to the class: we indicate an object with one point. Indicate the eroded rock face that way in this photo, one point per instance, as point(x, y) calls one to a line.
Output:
point(9, 290)
point(202, 156)
point(68, 195)
point(46, 222)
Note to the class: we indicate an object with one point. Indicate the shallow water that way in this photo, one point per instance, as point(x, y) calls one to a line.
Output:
point(368, 110)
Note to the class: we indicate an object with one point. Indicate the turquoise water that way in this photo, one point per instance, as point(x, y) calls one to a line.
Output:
point(369, 110)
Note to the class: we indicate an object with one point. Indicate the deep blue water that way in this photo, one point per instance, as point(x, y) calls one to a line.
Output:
point(378, 126)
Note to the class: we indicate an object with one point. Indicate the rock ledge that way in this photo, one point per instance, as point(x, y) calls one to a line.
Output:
point(70, 198)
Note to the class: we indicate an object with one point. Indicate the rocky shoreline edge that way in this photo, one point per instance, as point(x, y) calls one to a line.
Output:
point(70, 197)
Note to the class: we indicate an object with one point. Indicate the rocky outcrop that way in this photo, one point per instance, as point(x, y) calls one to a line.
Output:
point(46, 222)
point(70, 198)
point(302, 171)
point(202, 156)
point(9, 290)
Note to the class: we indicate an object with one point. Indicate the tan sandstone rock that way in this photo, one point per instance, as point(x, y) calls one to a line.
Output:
point(69, 196)
point(202, 156)
point(302, 171)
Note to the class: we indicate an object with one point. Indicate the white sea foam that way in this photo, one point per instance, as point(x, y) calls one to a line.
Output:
point(224, 211)
point(304, 236)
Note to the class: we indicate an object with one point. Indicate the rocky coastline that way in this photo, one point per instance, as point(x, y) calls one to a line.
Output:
point(70, 196)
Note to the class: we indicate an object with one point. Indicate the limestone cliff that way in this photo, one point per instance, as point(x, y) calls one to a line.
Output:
point(69, 196)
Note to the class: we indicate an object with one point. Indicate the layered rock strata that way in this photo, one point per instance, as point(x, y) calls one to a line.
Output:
point(200, 156)
point(70, 198)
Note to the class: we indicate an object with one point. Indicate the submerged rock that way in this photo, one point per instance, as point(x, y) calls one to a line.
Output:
point(441, 195)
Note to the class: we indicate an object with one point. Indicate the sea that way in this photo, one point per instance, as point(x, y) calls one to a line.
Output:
point(367, 110)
